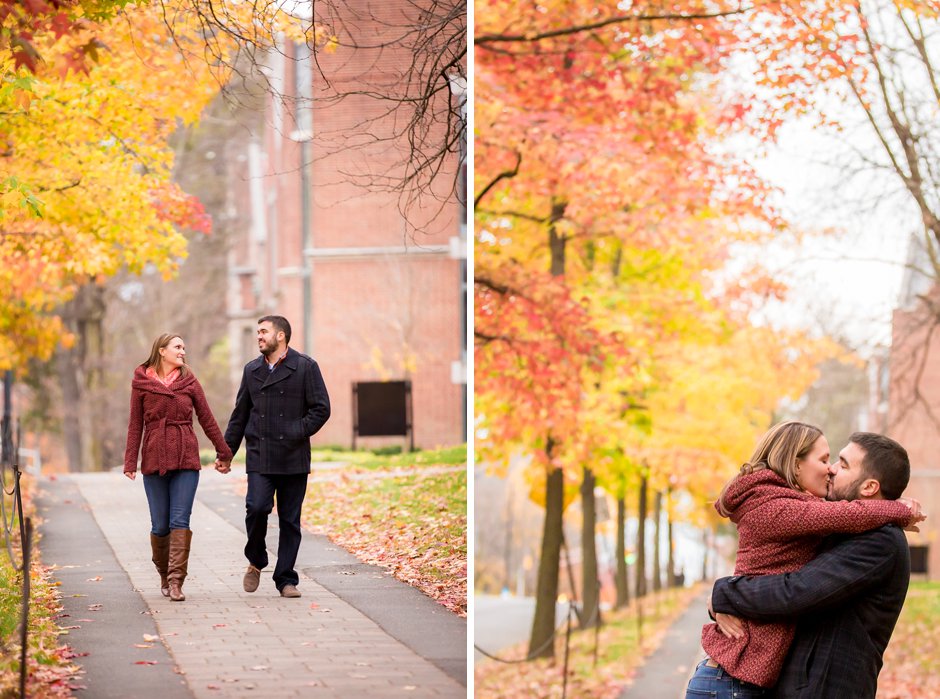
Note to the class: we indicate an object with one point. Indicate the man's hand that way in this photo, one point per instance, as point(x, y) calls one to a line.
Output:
point(729, 625)
point(223, 466)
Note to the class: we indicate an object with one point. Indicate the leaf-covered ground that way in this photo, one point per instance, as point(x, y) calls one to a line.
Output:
point(410, 518)
point(51, 674)
point(912, 661)
point(621, 645)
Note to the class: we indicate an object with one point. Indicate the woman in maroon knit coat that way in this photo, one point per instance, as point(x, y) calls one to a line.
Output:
point(164, 394)
point(778, 503)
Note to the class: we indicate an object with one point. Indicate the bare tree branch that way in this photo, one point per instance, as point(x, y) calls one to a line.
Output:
point(484, 39)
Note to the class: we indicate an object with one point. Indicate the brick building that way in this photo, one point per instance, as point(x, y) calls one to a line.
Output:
point(914, 403)
point(372, 292)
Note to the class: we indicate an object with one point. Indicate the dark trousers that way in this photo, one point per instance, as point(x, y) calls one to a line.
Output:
point(290, 491)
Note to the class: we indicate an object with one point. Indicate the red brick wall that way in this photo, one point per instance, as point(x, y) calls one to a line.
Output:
point(385, 292)
point(910, 421)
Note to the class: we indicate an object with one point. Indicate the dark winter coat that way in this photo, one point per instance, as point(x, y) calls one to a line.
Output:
point(277, 413)
point(845, 601)
point(163, 416)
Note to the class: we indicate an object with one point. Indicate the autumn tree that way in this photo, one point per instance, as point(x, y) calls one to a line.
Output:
point(594, 196)
point(598, 133)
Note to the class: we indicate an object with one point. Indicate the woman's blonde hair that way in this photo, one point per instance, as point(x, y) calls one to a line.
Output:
point(153, 362)
point(778, 450)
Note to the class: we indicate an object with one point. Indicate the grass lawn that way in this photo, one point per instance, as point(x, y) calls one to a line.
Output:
point(379, 460)
point(414, 524)
point(912, 661)
point(621, 644)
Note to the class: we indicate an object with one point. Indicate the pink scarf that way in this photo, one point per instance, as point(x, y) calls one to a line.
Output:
point(166, 380)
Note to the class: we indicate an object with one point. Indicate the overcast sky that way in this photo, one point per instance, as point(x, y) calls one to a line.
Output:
point(846, 274)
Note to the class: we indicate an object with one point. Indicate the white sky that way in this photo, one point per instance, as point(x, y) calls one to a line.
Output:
point(846, 274)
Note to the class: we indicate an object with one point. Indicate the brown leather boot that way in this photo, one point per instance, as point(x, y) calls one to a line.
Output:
point(160, 546)
point(179, 562)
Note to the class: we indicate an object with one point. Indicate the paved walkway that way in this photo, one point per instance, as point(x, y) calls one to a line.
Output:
point(355, 633)
point(666, 672)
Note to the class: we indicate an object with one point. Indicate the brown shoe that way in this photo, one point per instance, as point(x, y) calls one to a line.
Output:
point(180, 541)
point(290, 591)
point(251, 579)
point(160, 546)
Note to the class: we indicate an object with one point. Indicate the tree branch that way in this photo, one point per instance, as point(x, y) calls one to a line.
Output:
point(506, 174)
point(485, 39)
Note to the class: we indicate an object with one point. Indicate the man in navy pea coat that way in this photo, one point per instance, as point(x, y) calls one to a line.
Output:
point(281, 403)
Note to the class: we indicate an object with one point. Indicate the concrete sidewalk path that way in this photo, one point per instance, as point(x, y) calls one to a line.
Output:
point(355, 633)
point(665, 673)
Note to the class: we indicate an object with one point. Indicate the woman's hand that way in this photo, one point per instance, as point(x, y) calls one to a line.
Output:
point(917, 514)
point(729, 625)
point(223, 466)
point(131, 474)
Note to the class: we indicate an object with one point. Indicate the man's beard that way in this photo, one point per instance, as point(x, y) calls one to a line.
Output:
point(268, 349)
point(850, 492)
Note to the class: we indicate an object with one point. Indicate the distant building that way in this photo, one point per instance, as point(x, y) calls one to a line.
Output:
point(914, 401)
point(370, 295)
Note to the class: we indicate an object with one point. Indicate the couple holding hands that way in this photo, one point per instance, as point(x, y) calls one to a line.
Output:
point(282, 401)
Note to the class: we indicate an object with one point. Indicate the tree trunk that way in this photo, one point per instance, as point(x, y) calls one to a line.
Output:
point(671, 569)
point(640, 586)
point(590, 584)
point(67, 371)
point(546, 591)
point(556, 243)
point(705, 556)
point(657, 538)
point(507, 543)
point(623, 589)
point(80, 375)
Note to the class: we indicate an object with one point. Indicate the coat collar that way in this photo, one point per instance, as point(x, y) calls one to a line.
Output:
point(145, 383)
point(285, 369)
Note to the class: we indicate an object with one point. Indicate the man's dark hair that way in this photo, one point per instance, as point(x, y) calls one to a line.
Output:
point(886, 461)
point(280, 324)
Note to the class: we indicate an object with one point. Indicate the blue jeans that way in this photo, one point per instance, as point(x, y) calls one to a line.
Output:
point(171, 500)
point(715, 682)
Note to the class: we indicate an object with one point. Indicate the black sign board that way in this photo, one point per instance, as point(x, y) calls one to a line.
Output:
point(382, 409)
point(919, 559)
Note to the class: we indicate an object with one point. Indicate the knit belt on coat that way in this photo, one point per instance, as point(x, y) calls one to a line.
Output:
point(158, 427)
